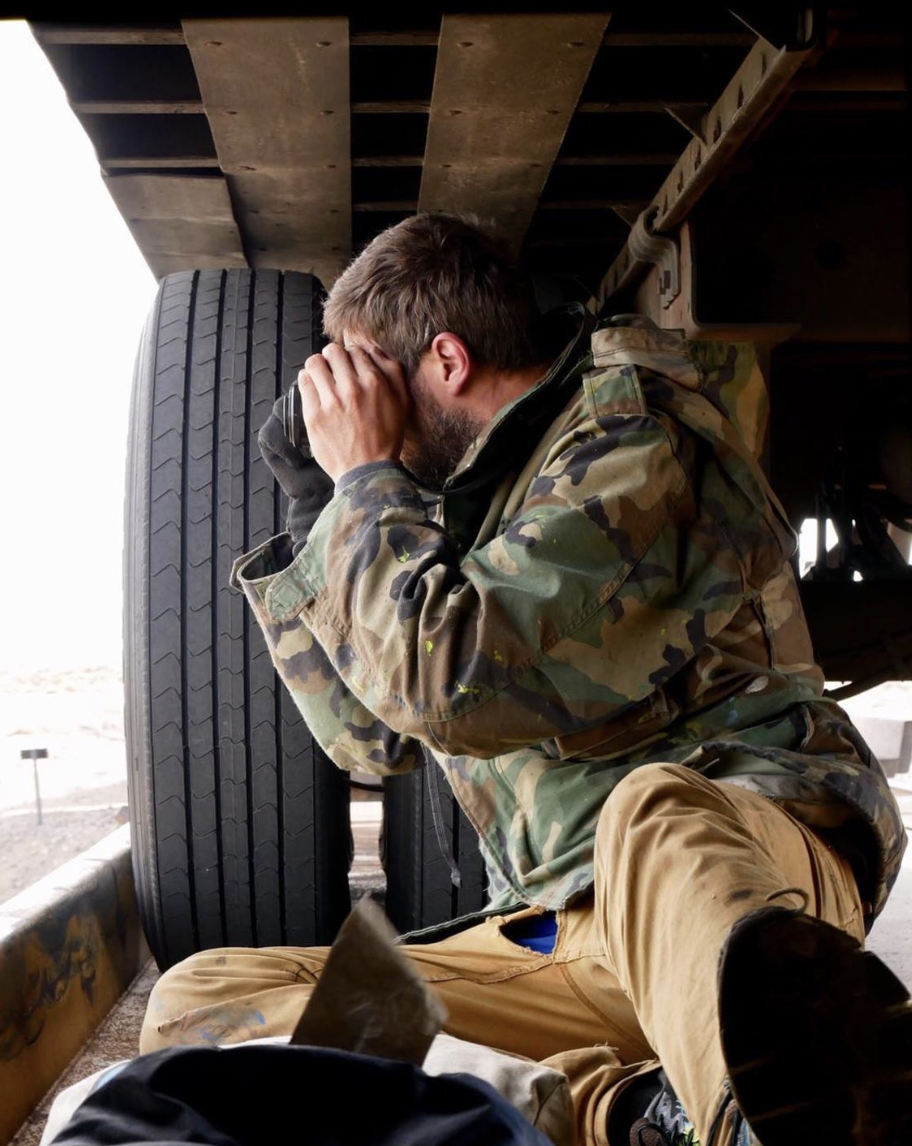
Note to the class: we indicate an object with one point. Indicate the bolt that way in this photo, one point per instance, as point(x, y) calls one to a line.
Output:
point(326, 111)
point(213, 43)
point(466, 44)
point(245, 167)
point(454, 111)
point(324, 43)
point(330, 166)
point(230, 113)
point(577, 44)
point(446, 165)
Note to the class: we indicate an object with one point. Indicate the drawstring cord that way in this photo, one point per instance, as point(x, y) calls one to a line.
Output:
point(800, 892)
point(433, 779)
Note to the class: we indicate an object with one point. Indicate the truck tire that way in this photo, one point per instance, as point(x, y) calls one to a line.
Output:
point(420, 891)
point(240, 824)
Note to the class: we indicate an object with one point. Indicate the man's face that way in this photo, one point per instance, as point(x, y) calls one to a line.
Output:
point(436, 435)
point(437, 431)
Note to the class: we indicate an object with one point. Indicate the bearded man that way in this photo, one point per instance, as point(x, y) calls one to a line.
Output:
point(549, 558)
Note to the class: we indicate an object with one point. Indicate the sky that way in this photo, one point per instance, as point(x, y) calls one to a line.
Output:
point(74, 293)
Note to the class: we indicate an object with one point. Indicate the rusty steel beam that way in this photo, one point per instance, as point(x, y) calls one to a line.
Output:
point(750, 97)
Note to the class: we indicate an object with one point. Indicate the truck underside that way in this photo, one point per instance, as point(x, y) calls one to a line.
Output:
point(741, 174)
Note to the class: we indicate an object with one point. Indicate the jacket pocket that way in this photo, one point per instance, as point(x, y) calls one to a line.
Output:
point(633, 728)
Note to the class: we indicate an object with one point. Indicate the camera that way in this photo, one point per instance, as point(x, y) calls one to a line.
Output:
point(293, 418)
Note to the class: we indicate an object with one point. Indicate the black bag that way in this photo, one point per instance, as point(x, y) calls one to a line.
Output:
point(264, 1095)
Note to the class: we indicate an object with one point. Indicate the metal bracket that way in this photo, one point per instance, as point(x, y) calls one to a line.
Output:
point(795, 27)
point(662, 251)
point(754, 91)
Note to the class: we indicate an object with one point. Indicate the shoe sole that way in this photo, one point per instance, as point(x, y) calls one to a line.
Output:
point(816, 1034)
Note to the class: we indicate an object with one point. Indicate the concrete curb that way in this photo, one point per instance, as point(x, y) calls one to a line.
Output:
point(70, 945)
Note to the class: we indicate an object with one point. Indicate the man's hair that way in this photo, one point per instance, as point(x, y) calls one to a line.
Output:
point(433, 273)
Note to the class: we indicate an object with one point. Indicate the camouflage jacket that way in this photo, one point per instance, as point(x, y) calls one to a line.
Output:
point(604, 582)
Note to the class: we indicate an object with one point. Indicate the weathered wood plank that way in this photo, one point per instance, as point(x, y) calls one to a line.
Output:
point(679, 39)
point(137, 107)
point(589, 107)
point(164, 161)
point(391, 107)
point(494, 130)
point(277, 96)
point(107, 34)
point(179, 222)
point(387, 206)
point(639, 106)
point(428, 39)
point(403, 39)
point(388, 161)
point(621, 159)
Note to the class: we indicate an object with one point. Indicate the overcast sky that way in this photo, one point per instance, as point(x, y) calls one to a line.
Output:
point(74, 292)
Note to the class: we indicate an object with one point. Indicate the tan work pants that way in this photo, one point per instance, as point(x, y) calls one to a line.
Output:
point(632, 979)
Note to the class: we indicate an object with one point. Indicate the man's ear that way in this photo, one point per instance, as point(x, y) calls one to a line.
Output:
point(453, 362)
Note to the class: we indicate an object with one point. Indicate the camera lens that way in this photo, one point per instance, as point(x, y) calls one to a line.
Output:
point(295, 430)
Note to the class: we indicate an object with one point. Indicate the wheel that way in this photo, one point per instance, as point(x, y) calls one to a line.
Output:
point(420, 891)
point(240, 824)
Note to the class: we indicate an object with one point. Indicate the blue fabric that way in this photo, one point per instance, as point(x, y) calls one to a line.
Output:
point(538, 932)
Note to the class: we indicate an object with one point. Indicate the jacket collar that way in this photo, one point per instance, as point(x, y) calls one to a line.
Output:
point(520, 422)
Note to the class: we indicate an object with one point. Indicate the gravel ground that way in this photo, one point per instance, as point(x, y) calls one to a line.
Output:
point(31, 850)
point(77, 716)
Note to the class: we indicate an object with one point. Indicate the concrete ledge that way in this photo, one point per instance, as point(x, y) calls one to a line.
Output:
point(69, 947)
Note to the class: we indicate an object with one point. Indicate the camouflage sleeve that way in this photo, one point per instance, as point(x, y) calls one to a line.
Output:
point(601, 586)
point(352, 737)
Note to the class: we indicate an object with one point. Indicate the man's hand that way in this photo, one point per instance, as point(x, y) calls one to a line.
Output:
point(354, 404)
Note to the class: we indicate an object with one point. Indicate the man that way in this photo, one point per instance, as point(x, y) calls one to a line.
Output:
point(551, 559)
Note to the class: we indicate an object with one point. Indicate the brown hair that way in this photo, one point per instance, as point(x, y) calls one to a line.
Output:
point(435, 273)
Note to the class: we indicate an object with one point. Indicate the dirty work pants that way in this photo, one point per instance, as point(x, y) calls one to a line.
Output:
point(632, 978)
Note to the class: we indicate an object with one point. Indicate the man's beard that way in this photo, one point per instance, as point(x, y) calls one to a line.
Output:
point(436, 439)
